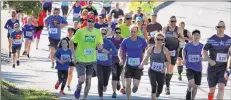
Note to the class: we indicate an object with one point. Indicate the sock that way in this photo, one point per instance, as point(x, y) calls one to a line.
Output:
point(210, 96)
point(168, 79)
point(180, 69)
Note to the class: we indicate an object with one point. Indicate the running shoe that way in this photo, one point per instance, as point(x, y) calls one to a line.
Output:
point(188, 95)
point(13, 66)
point(134, 89)
point(18, 63)
point(77, 92)
point(57, 85)
point(113, 95)
point(118, 86)
point(167, 90)
point(69, 88)
point(180, 78)
point(122, 91)
point(24, 53)
point(61, 92)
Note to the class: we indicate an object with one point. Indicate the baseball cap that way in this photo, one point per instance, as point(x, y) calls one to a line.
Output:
point(102, 15)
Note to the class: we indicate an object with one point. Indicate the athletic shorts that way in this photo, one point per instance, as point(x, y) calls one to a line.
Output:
point(116, 71)
point(39, 28)
point(85, 68)
point(53, 43)
point(215, 74)
point(180, 53)
point(191, 74)
point(131, 72)
point(64, 10)
point(16, 48)
point(47, 8)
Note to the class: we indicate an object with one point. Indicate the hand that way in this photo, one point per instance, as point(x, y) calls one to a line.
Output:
point(212, 63)
point(226, 76)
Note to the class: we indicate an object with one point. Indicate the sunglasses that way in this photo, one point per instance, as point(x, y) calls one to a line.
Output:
point(90, 21)
point(159, 39)
point(16, 27)
point(118, 32)
point(128, 18)
point(173, 21)
point(220, 26)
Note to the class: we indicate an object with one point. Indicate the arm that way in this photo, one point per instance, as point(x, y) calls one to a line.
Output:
point(6, 25)
point(146, 56)
point(164, 30)
point(206, 55)
point(229, 60)
point(145, 31)
point(114, 50)
point(63, 23)
point(184, 54)
point(166, 52)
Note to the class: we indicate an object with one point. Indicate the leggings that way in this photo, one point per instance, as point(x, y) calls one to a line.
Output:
point(156, 77)
point(62, 76)
point(37, 34)
point(103, 74)
point(118, 70)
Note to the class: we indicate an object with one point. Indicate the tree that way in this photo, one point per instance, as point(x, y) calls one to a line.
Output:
point(28, 7)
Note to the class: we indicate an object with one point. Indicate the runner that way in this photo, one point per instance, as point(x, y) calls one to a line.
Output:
point(173, 34)
point(134, 47)
point(148, 8)
point(104, 63)
point(138, 14)
point(101, 23)
point(157, 54)
point(28, 30)
point(107, 6)
point(76, 11)
point(63, 58)
point(65, 8)
point(17, 38)
point(139, 23)
point(40, 26)
point(151, 29)
point(71, 68)
point(117, 40)
point(87, 38)
point(90, 7)
point(47, 6)
point(192, 58)
point(187, 38)
point(54, 23)
point(117, 12)
point(218, 46)
point(10, 27)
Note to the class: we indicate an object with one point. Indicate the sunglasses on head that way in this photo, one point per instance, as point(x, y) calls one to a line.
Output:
point(220, 26)
point(159, 39)
point(90, 21)
point(128, 18)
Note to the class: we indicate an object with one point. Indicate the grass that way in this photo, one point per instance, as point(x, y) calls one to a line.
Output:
point(10, 92)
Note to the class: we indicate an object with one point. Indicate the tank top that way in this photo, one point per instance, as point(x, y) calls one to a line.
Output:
point(171, 42)
point(157, 60)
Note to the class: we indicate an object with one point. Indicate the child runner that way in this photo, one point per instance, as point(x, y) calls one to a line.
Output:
point(29, 31)
point(63, 58)
point(16, 37)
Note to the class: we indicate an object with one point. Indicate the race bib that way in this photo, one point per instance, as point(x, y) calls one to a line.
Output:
point(194, 58)
point(88, 51)
point(17, 41)
point(153, 33)
point(102, 57)
point(65, 58)
point(53, 30)
point(75, 15)
point(134, 61)
point(172, 53)
point(157, 66)
point(28, 33)
point(221, 57)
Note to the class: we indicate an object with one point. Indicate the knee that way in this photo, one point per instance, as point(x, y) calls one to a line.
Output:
point(221, 88)
point(81, 80)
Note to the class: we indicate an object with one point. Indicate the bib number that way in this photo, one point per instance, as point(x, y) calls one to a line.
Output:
point(153, 33)
point(88, 51)
point(221, 57)
point(102, 57)
point(53, 30)
point(17, 41)
point(172, 53)
point(65, 58)
point(194, 58)
point(29, 33)
point(134, 61)
point(157, 66)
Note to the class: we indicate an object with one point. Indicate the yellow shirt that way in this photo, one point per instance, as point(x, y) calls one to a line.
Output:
point(125, 31)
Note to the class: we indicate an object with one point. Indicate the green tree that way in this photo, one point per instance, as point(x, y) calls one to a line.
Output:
point(28, 7)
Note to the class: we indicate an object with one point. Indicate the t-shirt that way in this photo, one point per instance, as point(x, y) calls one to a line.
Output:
point(54, 30)
point(87, 44)
point(106, 59)
point(29, 30)
point(134, 50)
point(90, 9)
point(117, 45)
point(64, 56)
point(218, 48)
point(41, 18)
point(125, 31)
point(148, 8)
point(98, 26)
point(9, 23)
point(118, 13)
point(152, 29)
point(193, 56)
point(16, 38)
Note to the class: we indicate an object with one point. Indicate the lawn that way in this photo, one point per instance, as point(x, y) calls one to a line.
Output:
point(10, 92)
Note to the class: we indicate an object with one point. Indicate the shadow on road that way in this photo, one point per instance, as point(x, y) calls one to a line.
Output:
point(16, 77)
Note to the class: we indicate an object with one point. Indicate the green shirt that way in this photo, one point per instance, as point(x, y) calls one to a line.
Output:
point(125, 31)
point(87, 43)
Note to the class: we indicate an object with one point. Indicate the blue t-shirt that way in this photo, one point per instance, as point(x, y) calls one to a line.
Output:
point(134, 50)
point(16, 38)
point(64, 56)
point(76, 11)
point(54, 30)
point(106, 59)
point(113, 26)
point(98, 26)
point(218, 49)
point(29, 30)
point(64, 3)
point(9, 23)
point(193, 56)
